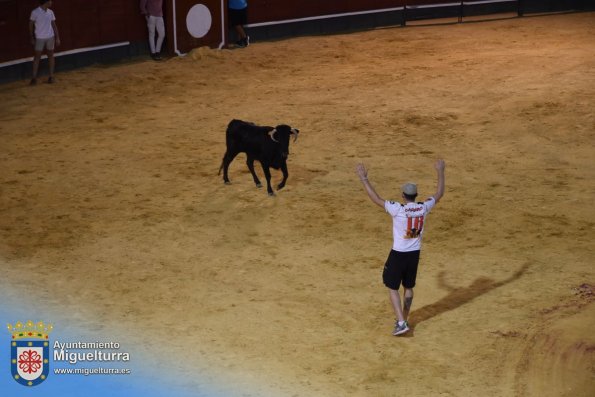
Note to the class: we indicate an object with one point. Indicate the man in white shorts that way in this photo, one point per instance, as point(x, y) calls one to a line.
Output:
point(153, 12)
point(408, 227)
point(44, 35)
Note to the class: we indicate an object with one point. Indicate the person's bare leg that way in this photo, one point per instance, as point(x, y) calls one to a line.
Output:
point(36, 60)
point(52, 64)
point(395, 299)
point(408, 297)
point(240, 32)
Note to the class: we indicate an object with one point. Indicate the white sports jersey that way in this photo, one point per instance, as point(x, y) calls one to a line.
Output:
point(43, 23)
point(408, 223)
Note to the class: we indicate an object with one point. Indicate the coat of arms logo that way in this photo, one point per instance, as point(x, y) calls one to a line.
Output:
point(29, 352)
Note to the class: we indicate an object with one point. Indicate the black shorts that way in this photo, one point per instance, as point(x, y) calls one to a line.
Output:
point(237, 17)
point(400, 267)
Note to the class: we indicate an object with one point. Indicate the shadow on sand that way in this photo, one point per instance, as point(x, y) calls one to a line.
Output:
point(459, 296)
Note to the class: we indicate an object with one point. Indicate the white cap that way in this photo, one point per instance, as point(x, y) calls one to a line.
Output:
point(410, 189)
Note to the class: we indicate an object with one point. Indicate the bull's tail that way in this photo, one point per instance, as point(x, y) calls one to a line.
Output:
point(227, 144)
point(220, 168)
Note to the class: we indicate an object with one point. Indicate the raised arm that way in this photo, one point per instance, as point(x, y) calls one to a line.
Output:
point(363, 176)
point(440, 165)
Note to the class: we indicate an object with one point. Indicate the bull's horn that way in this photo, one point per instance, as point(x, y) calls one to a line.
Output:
point(272, 135)
point(295, 133)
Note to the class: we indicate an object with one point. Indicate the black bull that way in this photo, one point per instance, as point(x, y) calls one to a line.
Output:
point(268, 145)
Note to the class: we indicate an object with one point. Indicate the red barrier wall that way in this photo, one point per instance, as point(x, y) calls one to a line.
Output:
point(82, 23)
point(189, 23)
point(196, 23)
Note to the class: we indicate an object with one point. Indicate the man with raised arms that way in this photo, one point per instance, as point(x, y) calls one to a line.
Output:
point(408, 226)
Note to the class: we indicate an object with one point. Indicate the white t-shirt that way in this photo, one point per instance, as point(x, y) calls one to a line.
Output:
point(43, 23)
point(408, 223)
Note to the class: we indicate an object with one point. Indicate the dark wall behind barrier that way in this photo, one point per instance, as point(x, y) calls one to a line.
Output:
point(277, 10)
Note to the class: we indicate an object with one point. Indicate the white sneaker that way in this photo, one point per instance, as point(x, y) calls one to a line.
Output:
point(400, 329)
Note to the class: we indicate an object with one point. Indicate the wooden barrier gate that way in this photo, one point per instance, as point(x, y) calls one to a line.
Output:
point(196, 23)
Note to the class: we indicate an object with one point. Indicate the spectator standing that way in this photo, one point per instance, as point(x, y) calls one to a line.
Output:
point(44, 35)
point(238, 17)
point(153, 12)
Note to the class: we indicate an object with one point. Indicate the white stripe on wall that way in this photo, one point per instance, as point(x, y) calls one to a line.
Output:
point(328, 16)
point(69, 52)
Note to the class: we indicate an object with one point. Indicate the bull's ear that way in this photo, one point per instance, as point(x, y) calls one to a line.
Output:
point(272, 134)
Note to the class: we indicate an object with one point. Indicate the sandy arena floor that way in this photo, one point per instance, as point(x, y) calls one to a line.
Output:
point(111, 209)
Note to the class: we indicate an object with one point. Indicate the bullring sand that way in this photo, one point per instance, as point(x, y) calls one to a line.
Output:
point(112, 210)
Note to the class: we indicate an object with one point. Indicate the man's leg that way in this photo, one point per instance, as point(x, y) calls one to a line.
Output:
point(401, 326)
point(412, 261)
point(160, 25)
point(408, 296)
point(151, 21)
point(52, 64)
point(395, 299)
point(391, 277)
point(36, 59)
point(240, 32)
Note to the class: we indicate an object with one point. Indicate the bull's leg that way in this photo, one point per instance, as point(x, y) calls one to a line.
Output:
point(267, 175)
point(285, 174)
point(250, 163)
point(227, 159)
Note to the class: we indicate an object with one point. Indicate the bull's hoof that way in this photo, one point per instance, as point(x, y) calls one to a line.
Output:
point(259, 185)
point(227, 182)
point(271, 194)
point(280, 186)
